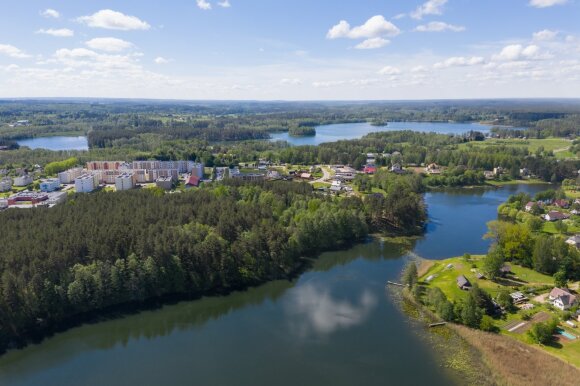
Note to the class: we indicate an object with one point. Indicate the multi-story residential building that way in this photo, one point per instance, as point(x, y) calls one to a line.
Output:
point(104, 165)
point(23, 180)
point(5, 184)
point(164, 183)
point(196, 169)
point(125, 181)
point(86, 183)
point(69, 176)
point(50, 185)
point(145, 171)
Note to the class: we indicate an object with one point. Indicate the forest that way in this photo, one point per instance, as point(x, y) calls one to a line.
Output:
point(107, 250)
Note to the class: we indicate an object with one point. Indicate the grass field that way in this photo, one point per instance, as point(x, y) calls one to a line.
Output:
point(559, 146)
point(531, 181)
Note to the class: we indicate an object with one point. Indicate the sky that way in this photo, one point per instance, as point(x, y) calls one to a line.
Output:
point(290, 50)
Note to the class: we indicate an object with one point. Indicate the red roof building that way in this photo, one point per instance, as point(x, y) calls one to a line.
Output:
point(370, 169)
point(193, 181)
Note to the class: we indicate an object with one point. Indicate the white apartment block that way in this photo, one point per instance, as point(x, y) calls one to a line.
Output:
point(23, 180)
point(69, 176)
point(5, 184)
point(125, 181)
point(86, 183)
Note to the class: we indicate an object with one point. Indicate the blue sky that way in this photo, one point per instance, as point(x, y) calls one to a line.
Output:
point(295, 50)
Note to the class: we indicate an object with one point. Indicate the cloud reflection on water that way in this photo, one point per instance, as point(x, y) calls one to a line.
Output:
point(312, 310)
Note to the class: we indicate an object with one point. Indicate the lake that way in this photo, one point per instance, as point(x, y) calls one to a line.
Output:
point(340, 131)
point(334, 325)
point(56, 143)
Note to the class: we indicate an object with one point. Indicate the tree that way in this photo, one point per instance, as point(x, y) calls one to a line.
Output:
point(487, 324)
point(561, 226)
point(560, 279)
point(534, 224)
point(410, 276)
point(504, 299)
point(542, 333)
point(471, 314)
point(493, 262)
point(482, 299)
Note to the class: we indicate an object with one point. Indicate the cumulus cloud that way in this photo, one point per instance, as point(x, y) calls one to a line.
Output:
point(161, 60)
point(61, 32)
point(372, 43)
point(374, 27)
point(109, 19)
point(290, 81)
point(431, 7)
point(516, 52)
point(224, 4)
point(109, 44)
point(460, 61)
point(389, 70)
point(50, 13)
point(439, 26)
point(545, 34)
point(203, 4)
point(419, 69)
point(546, 3)
point(13, 52)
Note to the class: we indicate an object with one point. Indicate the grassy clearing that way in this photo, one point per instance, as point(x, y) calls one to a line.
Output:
point(516, 363)
point(531, 181)
point(559, 146)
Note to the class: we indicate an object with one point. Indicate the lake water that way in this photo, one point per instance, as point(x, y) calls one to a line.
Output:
point(337, 132)
point(56, 143)
point(334, 325)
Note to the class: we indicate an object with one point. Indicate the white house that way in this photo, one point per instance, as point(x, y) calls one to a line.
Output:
point(574, 240)
point(562, 299)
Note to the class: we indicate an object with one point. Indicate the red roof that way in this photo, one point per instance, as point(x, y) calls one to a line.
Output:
point(193, 181)
point(370, 169)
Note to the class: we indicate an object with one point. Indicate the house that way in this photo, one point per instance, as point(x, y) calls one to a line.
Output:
point(165, 183)
point(273, 175)
point(524, 172)
point(396, 168)
point(498, 171)
point(463, 283)
point(193, 181)
point(530, 205)
point(518, 297)
point(562, 204)
point(433, 169)
point(574, 240)
point(305, 176)
point(554, 215)
point(368, 169)
point(505, 269)
point(335, 189)
point(562, 299)
point(489, 175)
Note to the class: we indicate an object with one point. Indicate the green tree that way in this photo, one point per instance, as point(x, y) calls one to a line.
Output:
point(560, 279)
point(410, 276)
point(493, 262)
point(471, 314)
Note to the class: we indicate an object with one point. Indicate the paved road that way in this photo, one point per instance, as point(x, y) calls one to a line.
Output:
point(325, 175)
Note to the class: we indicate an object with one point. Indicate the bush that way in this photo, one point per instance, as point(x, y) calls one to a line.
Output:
point(487, 324)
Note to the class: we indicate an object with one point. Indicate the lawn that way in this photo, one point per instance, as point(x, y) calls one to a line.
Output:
point(530, 181)
point(559, 146)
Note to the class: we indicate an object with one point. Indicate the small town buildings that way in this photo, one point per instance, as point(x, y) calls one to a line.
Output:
point(574, 241)
point(23, 180)
point(305, 176)
point(86, 183)
point(50, 185)
point(518, 297)
point(396, 168)
point(561, 298)
point(273, 175)
point(463, 283)
point(27, 197)
point(3, 203)
point(69, 176)
point(489, 175)
point(125, 181)
point(530, 205)
point(165, 183)
point(498, 171)
point(55, 198)
point(524, 172)
point(249, 176)
point(564, 204)
point(5, 184)
point(505, 269)
point(554, 215)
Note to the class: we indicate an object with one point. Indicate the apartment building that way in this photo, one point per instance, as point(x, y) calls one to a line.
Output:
point(50, 185)
point(125, 181)
point(69, 176)
point(86, 183)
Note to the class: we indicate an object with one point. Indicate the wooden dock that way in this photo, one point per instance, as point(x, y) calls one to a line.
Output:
point(437, 324)
point(397, 284)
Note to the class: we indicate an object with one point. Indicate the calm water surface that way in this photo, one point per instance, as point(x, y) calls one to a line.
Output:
point(335, 325)
point(333, 133)
point(56, 143)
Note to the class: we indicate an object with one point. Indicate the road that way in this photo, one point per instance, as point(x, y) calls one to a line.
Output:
point(325, 175)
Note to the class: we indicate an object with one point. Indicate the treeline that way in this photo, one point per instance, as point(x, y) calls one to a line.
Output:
point(60, 166)
point(302, 131)
point(107, 249)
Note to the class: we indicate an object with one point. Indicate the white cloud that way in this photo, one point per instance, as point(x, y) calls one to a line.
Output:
point(460, 61)
point(419, 69)
point(546, 3)
point(439, 26)
point(290, 81)
point(399, 16)
point(389, 70)
point(161, 60)
point(224, 4)
point(61, 32)
point(13, 52)
point(50, 13)
point(545, 34)
point(109, 44)
point(431, 7)
point(515, 52)
point(372, 43)
point(110, 19)
point(203, 4)
point(374, 27)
